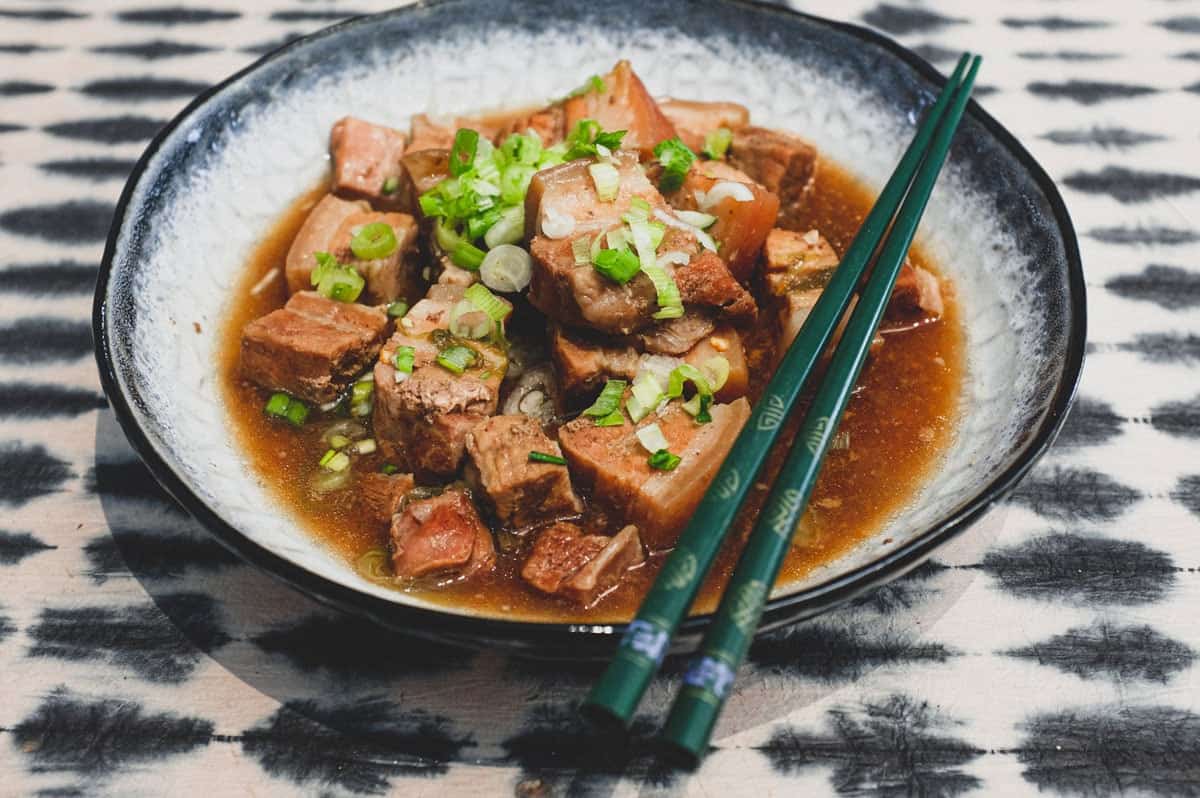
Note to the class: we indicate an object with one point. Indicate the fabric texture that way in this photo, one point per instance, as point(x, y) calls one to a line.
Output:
point(1050, 650)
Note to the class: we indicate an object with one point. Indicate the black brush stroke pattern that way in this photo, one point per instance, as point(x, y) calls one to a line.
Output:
point(902, 20)
point(1082, 570)
point(1088, 92)
point(8, 127)
point(108, 130)
point(1122, 653)
point(1194, 88)
point(1180, 419)
point(42, 340)
point(117, 732)
point(269, 45)
point(1054, 23)
point(162, 643)
point(176, 15)
point(70, 222)
point(1144, 236)
point(1118, 138)
point(1066, 55)
point(1180, 24)
point(41, 14)
point(1074, 493)
point(839, 653)
point(935, 53)
point(16, 546)
point(27, 48)
point(57, 277)
point(153, 50)
point(1171, 287)
point(358, 746)
point(1126, 750)
point(1165, 348)
point(127, 479)
point(153, 555)
point(1132, 186)
point(352, 647)
point(46, 400)
point(27, 472)
point(557, 748)
point(898, 747)
point(311, 15)
point(905, 592)
point(144, 88)
point(1187, 492)
point(16, 88)
point(94, 169)
point(1188, 55)
point(1090, 423)
point(7, 627)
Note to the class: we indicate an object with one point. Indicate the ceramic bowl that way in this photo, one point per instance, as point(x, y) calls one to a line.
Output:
point(216, 178)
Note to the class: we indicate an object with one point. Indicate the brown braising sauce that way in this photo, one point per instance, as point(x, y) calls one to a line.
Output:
point(899, 423)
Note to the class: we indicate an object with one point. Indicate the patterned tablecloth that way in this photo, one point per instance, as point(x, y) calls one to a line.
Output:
point(1053, 649)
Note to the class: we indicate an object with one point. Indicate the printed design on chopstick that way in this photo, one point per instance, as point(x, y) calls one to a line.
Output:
point(785, 506)
point(153, 554)
point(1105, 650)
point(731, 480)
point(680, 570)
point(1067, 494)
point(747, 601)
point(16, 546)
point(1171, 287)
point(813, 441)
point(898, 746)
point(771, 414)
point(28, 472)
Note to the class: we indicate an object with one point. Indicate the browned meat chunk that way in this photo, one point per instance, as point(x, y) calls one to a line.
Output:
point(425, 169)
point(784, 164)
point(624, 104)
point(521, 491)
point(798, 267)
point(316, 235)
point(707, 281)
point(581, 567)
point(726, 342)
point(581, 296)
point(366, 161)
point(312, 347)
point(676, 336)
point(568, 191)
point(441, 536)
point(917, 293)
point(613, 463)
point(694, 120)
point(382, 494)
point(426, 134)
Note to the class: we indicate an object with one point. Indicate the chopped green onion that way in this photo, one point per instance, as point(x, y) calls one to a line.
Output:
point(468, 321)
point(479, 224)
point(614, 419)
point(507, 268)
point(389, 186)
point(686, 372)
point(696, 219)
point(663, 460)
point(508, 229)
point(514, 182)
point(608, 401)
point(287, 408)
point(652, 439)
point(583, 138)
point(581, 250)
point(607, 180)
point(496, 308)
point(456, 359)
point(373, 241)
point(389, 469)
point(676, 160)
point(716, 142)
point(334, 460)
point(397, 310)
point(335, 281)
point(468, 256)
point(611, 139)
point(618, 265)
point(522, 149)
point(646, 393)
point(542, 457)
point(462, 154)
point(361, 397)
point(326, 263)
point(639, 211)
point(716, 369)
point(645, 238)
point(698, 406)
point(403, 359)
point(339, 441)
point(594, 83)
point(365, 446)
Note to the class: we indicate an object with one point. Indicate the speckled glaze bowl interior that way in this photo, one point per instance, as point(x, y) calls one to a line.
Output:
point(218, 177)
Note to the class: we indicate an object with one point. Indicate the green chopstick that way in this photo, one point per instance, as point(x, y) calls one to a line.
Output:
point(708, 680)
point(615, 696)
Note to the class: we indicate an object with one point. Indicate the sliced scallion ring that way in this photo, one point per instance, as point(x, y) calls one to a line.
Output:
point(506, 268)
point(373, 241)
point(652, 439)
point(608, 401)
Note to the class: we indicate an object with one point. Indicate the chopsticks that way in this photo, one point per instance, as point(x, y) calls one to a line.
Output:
point(615, 696)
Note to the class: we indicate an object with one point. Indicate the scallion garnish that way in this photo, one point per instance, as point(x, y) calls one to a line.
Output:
point(594, 83)
point(373, 241)
point(468, 256)
point(606, 179)
point(403, 359)
point(609, 400)
point(542, 457)
point(397, 310)
point(333, 460)
point(646, 237)
point(676, 160)
point(456, 359)
point(686, 372)
point(389, 186)
point(389, 469)
point(462, 153)
point(717, 142)
point(362, 397)
point(287, 408)
point(496, 308)
point(663, 460)
point(335, 281)
point(583, 138)
point(652, 439)
point(614, 419)
point(645, 394)
point(618, 265)
point(698, 407)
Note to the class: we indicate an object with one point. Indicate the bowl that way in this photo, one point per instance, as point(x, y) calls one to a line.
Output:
point(215, 179)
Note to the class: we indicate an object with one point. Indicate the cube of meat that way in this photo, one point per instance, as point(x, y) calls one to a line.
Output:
point(566, 562)
point(624, 104)
point(312, 347)
point(612, 462)
point(675, 336)
point(706, 281)
point(427, 134)
point(785, 164)
point(441, 536)
point(382, 494)
point(366, 162)
point(694, 120)
point(521, 491)
point(742, 225)
point(568, 192)
point(917, 293)
point(331, 225)
point(798, 267)
point(727, 343)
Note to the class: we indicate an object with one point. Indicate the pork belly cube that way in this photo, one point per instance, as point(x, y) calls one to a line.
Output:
point(706, 281)
point(521, 491)
point(312, 347)
point(581, 296)
point(917, 293)
point(694, 120)
point(366, 161)
point(624, 104)
point(676, 336)
point(798, 266)
point(725, 342)
point(742, 225)
point(441, 536)
point(380, 495)
point(583, 568)
point(317, 235)
point(429, 134)
point(568, 191)
point(785, 164)
point(614, 465)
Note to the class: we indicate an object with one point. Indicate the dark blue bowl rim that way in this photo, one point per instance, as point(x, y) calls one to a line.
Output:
point(581, 640)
